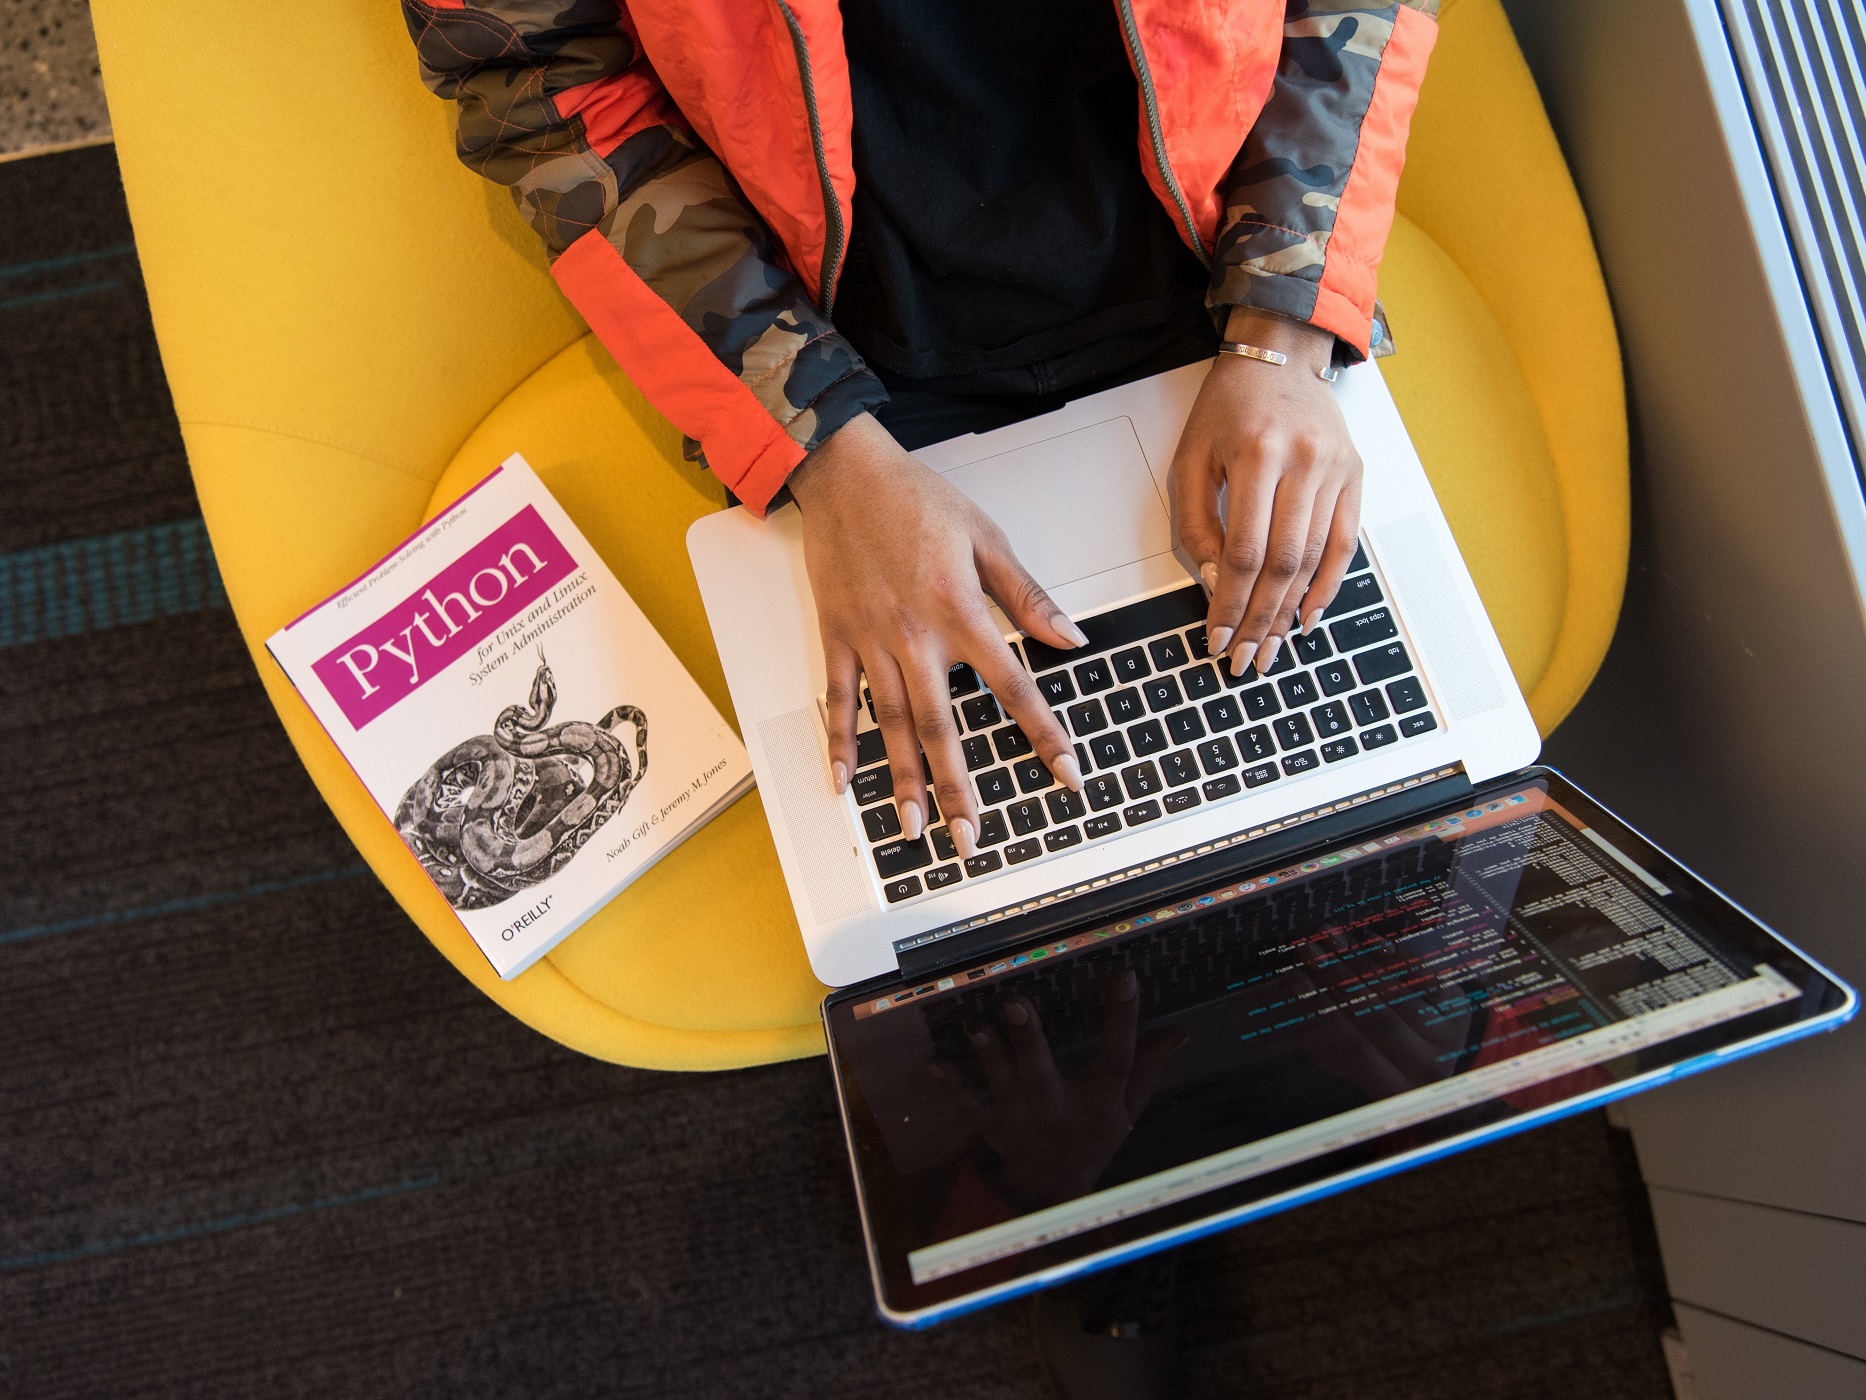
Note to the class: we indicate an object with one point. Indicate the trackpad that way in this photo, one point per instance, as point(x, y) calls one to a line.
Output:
point(1074, 505)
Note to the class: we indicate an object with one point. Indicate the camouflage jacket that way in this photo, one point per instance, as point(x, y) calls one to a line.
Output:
point(687, 164)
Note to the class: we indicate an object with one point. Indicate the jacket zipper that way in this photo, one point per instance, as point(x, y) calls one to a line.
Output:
point(832, 208)
point(1132, 34)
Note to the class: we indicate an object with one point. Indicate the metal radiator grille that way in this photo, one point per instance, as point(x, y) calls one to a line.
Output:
point(1804, 63)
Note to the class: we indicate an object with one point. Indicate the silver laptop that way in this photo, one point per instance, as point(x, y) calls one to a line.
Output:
point(1404, 682)
point(1298, 930)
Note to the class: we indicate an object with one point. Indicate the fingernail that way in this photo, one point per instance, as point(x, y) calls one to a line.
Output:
point(1015, 1013)
point(839, 771)
point(1241, 658)
point(1217, 639)
point(962, 837)
point(1315, 621)
point(980, 1038)
point(1069, 629)
point(1068, 771)
point(1266, 654)
point(1208, 574)
point(1128, 987)
point(911, 820)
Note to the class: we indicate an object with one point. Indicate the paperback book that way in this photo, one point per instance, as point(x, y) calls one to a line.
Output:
point(496, 689)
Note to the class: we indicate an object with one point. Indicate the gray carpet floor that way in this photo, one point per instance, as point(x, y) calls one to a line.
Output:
point(257, 1138)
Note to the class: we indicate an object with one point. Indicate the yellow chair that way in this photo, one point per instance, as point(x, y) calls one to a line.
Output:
point(355, 328)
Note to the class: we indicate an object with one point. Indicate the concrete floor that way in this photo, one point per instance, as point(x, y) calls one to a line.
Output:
point(50, 92)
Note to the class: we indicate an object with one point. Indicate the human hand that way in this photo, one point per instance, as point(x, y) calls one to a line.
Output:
point(1055, 1136)
point(1272, 436)
point(901, 563)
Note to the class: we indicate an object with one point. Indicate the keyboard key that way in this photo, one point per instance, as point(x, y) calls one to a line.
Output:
point(1141, 812)
point(1162, 694)
point(1285, 661)
point(1330, 719)
point(984, 863)
point(1023, 851)
point(1199, 681)
point(1130, 665)
point(1142, 780)
point(996, 786)
point(1026, 816)
point(1185, 726)
point(1011, 742)
point(991, 828)
point(872, 786)
point(1055, 687)
point(1301, 762)
point(1334, 677)
point(1355, 594)
point(869, 748)
point(1406, 695)
point(1310, 647)
point(1168, 653)
point(1420, 723)
point(1254, 743)
point(1234, 679)
point(1298, 690)
point(1378, 738)
point(1032, 776)
point(962, 680)
point(981, 712)
point(978, 753)
point(1217, 789)
point(1382, 662)
point(1337, 749)
point(1218, 756)
point(899, 857)
point(1260, 702)
point(1292, 731)
point(1180, 768)
point(1087, 718)
point(881, 822)
point(1259, 775)
point(868, 702)
point(1181, 800)
point(1359, 561)
point(1102, 826)
point(1102, 792)
point(1223, 713)
point(1084, 760)
point(897, 890)
point(945, 875)
point(1195, 643)
point(1093, 676)
point(1062, 840)
point(1148, 738)
point(1125, 706)
point(1110, 750)
point(1066, 806)
point(943, 846)
point(1353, 633)
point(1125, 626)
point(1368, 707)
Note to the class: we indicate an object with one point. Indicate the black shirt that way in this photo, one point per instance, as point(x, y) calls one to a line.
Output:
point(1004, 240)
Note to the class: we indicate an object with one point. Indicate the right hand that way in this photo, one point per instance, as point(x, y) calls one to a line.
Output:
point(901, 563)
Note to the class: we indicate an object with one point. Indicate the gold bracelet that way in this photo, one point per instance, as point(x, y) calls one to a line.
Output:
point(1270, 357)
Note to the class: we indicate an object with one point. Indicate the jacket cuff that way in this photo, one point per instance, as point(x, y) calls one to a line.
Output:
point(1356, 337)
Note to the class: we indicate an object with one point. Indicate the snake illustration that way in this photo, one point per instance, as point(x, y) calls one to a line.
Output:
point(502, 811)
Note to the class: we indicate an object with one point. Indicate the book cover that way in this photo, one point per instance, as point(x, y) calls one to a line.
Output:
point(515, 716)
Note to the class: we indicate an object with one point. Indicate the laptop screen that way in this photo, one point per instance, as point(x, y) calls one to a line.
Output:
point(1251, 1037)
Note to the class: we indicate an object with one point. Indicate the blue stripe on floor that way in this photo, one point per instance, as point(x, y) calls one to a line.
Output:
point(34, 269)
point(61, 294)
point(21, 1262)
point(179, 906)
point(115, 580)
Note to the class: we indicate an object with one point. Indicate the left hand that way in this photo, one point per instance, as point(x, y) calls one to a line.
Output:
point(1272, 436)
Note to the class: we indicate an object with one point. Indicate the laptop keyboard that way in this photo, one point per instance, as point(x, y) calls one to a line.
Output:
point(1160, 728)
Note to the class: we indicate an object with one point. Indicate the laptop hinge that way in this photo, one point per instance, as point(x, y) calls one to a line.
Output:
point(986, 933)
